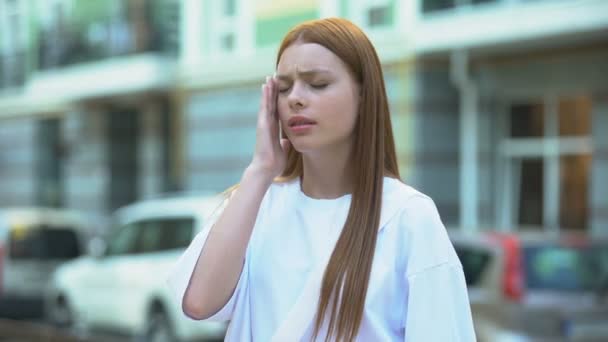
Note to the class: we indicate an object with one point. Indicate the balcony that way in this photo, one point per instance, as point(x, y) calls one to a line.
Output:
point(443, 25)
point(100, 51)
point(138, 27)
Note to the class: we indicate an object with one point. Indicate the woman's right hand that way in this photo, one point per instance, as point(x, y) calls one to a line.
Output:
point(270, 155)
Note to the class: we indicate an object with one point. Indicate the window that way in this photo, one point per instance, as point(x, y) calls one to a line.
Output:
point(49, 173)
point(150, 236)
point(378, 16)
point(437, 5)
point(574, 187)
point(430, 6)
point(165, 21)
point(565, 268)
point(11, 16)
point(531, 193)
point(44, 242)
point(166, 234)
point(574, 116)
point(227, 43)
point(474, 263)
point(122, 149)
point(547, 150)
point(527, 120)
point(373, 13)
point(177, 233)
point(125, 240)
point(229, 7)
point(224, 25)
point(13, 42)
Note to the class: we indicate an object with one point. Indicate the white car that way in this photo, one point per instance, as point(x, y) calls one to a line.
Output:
point(121, 286)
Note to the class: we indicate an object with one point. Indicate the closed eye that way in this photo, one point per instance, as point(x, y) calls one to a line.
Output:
point(317, 86)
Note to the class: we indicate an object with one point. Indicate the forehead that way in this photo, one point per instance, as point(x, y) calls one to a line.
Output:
point(307, 56)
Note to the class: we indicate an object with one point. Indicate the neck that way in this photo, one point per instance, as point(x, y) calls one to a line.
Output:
point(327, 174)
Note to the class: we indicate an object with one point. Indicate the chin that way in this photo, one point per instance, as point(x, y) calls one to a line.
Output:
point(301, 148)
point(303, 145)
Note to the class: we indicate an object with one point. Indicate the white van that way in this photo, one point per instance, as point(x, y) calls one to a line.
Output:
point(122, 287)
point(33, 243)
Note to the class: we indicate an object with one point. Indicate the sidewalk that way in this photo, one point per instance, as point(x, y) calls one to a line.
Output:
point(20, 331)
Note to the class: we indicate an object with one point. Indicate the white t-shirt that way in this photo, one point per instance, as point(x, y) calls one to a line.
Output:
point(416, 292)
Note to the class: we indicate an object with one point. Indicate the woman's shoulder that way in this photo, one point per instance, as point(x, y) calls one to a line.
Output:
point(396, 188)
point(418, 222)
point(401, 199)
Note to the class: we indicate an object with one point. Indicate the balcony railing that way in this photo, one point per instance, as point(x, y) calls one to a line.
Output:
point(153, 27)
point(432, 6)
point(13, 70)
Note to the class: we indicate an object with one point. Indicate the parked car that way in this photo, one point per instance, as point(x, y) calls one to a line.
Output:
point(121, 287)
point(536, 287)
point(33, 243)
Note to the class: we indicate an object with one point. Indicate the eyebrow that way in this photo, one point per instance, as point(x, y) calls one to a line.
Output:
point(303, 73)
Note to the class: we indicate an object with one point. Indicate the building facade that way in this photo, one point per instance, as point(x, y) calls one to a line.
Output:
point(86, 101)
point(531, 103)
point(499, 107)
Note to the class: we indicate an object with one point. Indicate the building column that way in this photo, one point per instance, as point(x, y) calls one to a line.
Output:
point(86, 169)
point(151, 152)
point(18, 162)
point(469, 161)
point(431, 144)
point(599, 169)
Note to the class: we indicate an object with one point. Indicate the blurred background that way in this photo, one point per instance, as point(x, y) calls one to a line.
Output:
point(499, 108)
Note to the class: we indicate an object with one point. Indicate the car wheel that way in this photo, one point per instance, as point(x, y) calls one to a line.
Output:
point(62, 317)
point(60, 314)
point(159, 328)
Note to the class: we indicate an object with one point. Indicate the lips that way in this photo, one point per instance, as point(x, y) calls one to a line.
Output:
point(299, 120)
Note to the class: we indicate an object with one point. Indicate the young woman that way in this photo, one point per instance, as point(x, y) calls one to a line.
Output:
point(321, 241)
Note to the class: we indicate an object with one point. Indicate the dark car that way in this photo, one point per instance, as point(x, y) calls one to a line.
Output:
point(33, 243)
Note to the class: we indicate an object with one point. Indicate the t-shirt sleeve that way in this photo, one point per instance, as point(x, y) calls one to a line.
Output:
point(438, 307)
point(179, 276)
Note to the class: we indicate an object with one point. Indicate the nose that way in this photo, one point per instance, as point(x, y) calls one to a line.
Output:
point(297, 97)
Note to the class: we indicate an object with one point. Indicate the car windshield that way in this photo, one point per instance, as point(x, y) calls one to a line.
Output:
point(44, 242)
point(566, 268)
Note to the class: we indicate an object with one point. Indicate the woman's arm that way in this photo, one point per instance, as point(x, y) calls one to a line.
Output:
point(220, 262)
